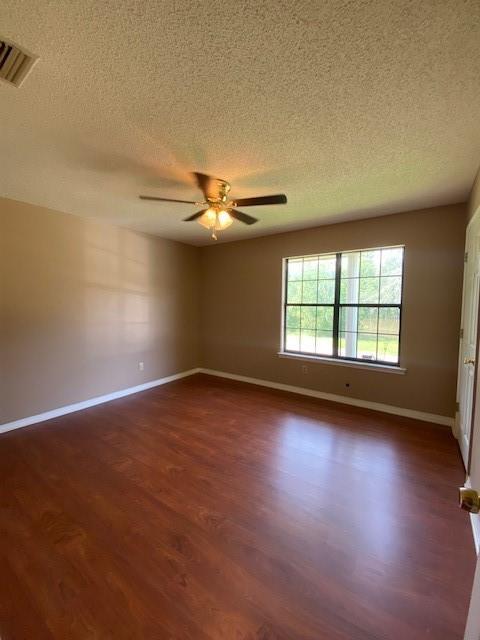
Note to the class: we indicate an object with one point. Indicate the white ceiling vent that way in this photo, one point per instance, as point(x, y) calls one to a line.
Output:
point(15, 63)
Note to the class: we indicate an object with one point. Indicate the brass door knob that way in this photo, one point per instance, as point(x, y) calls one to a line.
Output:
point(468, 361)
point(469, 500)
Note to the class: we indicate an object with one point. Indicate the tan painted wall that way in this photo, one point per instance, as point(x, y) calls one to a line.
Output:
point(241, 307)
point(81, 303)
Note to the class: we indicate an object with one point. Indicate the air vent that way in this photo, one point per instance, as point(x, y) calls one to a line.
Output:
point(15, 63)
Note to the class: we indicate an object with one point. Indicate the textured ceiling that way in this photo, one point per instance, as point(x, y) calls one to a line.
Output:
point(352, 108)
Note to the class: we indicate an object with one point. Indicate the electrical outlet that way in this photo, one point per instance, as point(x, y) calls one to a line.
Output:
point(304, 369)
point(141, 366)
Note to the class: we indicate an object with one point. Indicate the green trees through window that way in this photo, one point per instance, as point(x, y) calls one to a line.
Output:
point(345, 305)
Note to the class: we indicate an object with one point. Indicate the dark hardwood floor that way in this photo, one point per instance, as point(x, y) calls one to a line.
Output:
point(210, 509)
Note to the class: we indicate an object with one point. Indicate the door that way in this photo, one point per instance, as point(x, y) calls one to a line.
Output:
point(472, 631)
point(470, 437)
point(468, 339)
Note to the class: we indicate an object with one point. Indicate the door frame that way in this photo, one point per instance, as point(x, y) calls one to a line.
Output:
point(475, 394)
point(474, 221)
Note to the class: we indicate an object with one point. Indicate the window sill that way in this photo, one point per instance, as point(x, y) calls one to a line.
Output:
point(371, 366)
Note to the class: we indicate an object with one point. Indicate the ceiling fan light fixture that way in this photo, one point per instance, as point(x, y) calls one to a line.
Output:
point(208, 219)
point(224, 219)
point(215, 219)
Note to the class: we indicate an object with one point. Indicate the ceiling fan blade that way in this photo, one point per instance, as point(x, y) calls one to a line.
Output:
point(209, 186)
point(166, 199)
point(194, 216)
point(253, 202)
point(243, 217)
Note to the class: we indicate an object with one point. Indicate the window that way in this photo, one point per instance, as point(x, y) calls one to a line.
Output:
point(345, 305)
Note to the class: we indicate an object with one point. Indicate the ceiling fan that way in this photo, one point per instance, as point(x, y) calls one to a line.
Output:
point(221, 211)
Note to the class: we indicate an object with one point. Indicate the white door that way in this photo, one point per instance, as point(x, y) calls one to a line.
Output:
point(468, 339)
point(471, 437)
point(472, 631)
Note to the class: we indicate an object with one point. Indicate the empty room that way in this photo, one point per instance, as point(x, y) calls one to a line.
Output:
point(239, 302)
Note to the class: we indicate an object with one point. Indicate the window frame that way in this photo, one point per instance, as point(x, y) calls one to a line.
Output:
point(337, 306)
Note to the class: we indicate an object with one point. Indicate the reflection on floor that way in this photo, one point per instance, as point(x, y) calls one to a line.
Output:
point(212, 509)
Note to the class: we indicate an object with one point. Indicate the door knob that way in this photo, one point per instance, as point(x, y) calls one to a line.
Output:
point(468, 361)
point(469, 500)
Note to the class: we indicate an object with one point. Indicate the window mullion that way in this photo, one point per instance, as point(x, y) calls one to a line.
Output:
point(336, 308)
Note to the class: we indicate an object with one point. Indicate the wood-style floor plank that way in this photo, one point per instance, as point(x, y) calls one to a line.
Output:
point(214, 510)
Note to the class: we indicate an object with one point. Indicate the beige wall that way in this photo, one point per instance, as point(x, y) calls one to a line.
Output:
point(82, 303)
point(241, 307)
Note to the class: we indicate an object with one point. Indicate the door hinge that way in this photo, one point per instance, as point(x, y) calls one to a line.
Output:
point(457, 406)
point(465, 258)
point(461, 334)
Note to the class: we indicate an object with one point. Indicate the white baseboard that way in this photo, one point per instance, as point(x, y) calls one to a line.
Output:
point(375, 406)
point(366, 404)
point(61, 411)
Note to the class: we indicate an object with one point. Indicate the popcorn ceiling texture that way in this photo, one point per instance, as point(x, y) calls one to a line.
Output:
point(352, 108)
